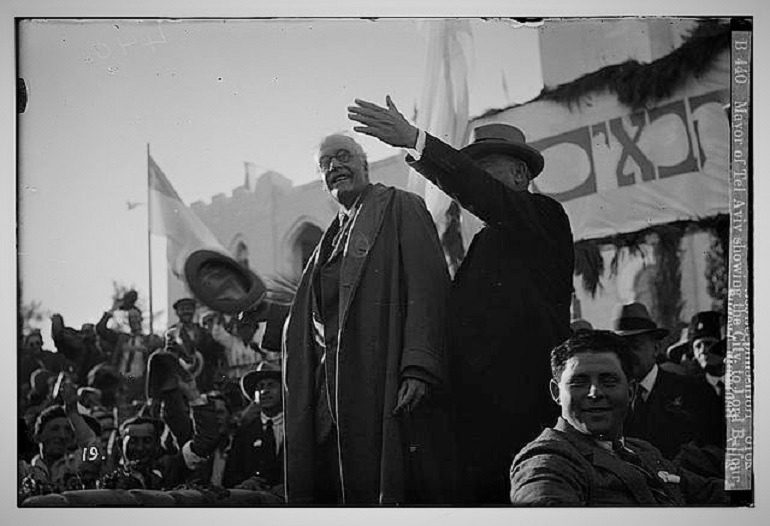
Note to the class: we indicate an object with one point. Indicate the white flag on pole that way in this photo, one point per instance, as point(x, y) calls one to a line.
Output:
point(170, 217)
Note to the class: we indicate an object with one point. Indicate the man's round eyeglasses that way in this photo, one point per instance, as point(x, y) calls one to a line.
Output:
point(342, 156)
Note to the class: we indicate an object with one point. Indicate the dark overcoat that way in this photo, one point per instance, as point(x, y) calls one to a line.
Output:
point(678, 411)
point(509, 305)
point(392, 299)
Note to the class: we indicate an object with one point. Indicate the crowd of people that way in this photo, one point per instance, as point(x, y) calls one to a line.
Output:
point(387, 382)
point(116, 408)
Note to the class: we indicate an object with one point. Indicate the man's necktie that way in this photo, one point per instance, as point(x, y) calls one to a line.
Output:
point(268, 440)
point(639, 398)
point(655, 483)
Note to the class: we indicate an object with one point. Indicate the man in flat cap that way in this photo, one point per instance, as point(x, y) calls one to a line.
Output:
point(363, 343)
point(510, 299)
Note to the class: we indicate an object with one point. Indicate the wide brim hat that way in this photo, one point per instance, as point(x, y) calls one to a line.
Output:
point(221, 283)
point(704, 325)
point(250, 380)
point(634, 319)
point(505, 139)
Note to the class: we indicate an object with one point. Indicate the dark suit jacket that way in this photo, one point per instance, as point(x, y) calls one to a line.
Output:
point(562, 467)
point(248, 457)
point(678, 410)
point(508, 307)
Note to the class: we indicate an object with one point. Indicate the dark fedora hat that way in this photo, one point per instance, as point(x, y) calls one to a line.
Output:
point(633, 319)
point(221, 283)
point(250, 380)
point(505, 139)
point(704, 325)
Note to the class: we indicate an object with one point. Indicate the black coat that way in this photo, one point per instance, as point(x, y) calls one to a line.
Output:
point(678, 410)
point(248, 457)
point(509, 305)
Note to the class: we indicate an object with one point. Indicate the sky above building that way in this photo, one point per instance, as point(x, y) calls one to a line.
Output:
point(206, 96)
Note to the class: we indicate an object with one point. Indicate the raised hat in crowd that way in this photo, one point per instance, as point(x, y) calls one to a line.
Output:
point(184, 301)
point(221, 283)
point(250, 380)
point(505, 139)
point(276, 317)
point(704, 325)
point(634, 319)
point(164, 373)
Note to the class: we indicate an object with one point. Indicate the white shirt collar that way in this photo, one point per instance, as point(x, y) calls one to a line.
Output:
point(277, 419)
point(649, 380)
point(714, 380)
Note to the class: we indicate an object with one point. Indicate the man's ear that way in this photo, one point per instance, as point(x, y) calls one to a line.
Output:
point(553, 386)
point(520, 173)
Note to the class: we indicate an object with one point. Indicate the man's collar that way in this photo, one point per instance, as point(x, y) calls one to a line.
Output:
point(277, 419)
point(567, 428)
point(348, 212)
point(714, 380)
point(649, 379)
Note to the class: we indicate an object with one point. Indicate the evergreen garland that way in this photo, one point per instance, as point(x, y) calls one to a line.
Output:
point(666, 241)
point(639, 85)
point(667, 284)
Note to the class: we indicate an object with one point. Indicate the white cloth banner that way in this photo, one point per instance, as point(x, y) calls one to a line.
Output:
point(444, 108)
point(616, 170)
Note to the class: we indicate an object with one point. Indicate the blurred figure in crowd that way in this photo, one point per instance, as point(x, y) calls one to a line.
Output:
point(669, 410)
point(129, 351)
point(192, 342)
point(81, 347)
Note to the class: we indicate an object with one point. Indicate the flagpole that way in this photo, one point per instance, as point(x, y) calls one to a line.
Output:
point(149, 237)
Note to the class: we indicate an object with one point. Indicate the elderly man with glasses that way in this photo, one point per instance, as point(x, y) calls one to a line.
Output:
point(364, 348)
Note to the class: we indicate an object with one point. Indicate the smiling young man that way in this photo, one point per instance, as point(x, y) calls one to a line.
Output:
point(363, 343)
point(585, 459)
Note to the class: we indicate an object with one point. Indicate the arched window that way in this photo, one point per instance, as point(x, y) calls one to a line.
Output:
point(308, 237)
point(242, 254)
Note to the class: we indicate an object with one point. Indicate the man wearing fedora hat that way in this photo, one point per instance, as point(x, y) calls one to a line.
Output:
point(510, 300)
point(259, 444)
point(668, 410)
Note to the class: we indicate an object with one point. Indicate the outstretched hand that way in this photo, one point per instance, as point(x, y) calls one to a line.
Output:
point(386, 124)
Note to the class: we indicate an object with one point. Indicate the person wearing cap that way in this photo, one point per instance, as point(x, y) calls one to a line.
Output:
point(589, 458)
point(510, 300)
point(704, 350)
point(669, 410)
point(363, 344)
